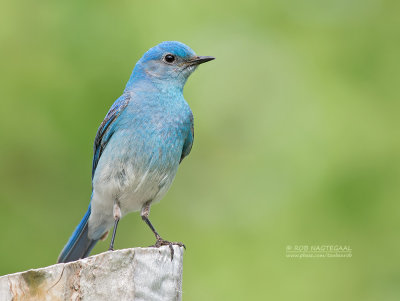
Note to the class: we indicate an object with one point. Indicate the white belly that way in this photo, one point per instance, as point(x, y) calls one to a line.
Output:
point(127, 185)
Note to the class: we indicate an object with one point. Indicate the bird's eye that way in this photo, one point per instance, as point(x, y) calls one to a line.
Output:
point(169, 58)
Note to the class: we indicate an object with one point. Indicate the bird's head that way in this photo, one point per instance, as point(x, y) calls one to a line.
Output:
point(167, 64)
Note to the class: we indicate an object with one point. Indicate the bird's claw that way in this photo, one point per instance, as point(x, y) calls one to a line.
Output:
point(162, 242)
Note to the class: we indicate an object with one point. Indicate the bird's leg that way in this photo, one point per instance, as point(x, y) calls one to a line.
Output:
point(159, 241)
point(117, 216)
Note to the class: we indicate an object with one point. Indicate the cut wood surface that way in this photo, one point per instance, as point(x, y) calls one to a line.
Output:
point(128, 274)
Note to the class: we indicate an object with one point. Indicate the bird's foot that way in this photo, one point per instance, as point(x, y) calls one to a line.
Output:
point(162, 242)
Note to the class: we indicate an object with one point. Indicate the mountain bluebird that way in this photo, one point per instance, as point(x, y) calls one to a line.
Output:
point(139, 146)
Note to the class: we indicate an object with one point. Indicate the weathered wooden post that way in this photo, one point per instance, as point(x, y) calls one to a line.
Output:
point(129, 274)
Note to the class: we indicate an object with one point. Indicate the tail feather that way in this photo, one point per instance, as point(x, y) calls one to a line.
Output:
point(79, 245)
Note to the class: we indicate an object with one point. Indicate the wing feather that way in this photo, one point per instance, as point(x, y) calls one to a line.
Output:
point(187, 146)
point(107, 128)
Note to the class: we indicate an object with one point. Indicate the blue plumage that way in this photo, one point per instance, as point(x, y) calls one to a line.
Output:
point(78, 245)
point(139, 145)
point(106, 129)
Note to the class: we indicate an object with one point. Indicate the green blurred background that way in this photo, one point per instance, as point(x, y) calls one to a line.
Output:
point(297, 139)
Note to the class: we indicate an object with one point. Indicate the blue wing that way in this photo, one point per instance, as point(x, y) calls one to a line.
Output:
point(79, 245)
point(187, 146)
point(107, 128)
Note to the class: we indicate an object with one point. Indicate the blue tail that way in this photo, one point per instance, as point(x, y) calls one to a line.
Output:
point(79, 245)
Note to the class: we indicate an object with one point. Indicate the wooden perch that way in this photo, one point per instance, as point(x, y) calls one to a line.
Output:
point(129, 274)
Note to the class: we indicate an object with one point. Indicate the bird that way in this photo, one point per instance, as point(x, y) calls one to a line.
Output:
point(139, 146)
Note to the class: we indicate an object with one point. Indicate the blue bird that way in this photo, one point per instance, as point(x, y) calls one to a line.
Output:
point(138, 147)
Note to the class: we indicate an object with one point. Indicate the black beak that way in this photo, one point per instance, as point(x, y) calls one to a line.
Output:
point(200, 60)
